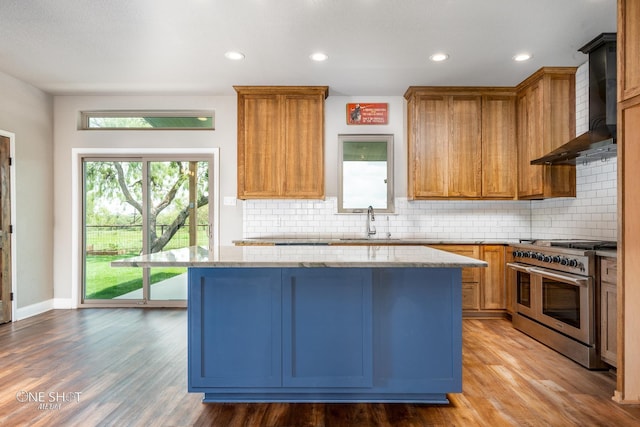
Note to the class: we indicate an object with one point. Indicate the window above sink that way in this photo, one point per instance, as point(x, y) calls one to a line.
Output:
point(365, 173)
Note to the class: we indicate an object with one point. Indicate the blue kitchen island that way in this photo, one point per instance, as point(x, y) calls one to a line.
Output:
point(321, 323)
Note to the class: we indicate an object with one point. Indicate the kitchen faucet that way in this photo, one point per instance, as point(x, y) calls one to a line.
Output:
point(371, 229)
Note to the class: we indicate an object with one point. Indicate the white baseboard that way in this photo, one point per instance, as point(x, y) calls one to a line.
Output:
point(42, 307)
point(33, 310)
point(63, 303)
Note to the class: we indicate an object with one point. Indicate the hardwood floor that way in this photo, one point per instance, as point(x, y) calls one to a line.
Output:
point(127, 367)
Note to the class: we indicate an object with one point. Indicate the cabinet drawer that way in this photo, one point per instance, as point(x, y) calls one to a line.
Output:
point(471, 251)
point(608, 270)
point(470, 296)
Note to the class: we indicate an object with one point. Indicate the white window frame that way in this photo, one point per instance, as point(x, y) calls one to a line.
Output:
point(77, 154)
point(85, 117)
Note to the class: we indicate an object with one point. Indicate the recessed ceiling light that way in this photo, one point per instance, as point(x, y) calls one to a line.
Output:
point(319, 56)
point(439, 57)
point(234, 56)
point(522, 57)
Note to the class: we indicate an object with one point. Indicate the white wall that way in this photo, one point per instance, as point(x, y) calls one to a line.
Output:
point(27, 112)
point(67, 138)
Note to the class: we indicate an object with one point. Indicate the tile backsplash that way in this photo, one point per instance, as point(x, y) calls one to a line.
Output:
point(592, 214)
point(450, 220)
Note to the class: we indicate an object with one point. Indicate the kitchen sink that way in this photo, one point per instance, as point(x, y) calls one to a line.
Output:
point(364, 239)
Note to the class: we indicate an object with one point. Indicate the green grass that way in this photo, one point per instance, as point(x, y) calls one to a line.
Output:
point(106, 282)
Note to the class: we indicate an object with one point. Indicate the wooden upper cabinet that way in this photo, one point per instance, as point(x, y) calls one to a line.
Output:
point(461, 143)
point(628, 49)
point(465, 146)
point(546, 119)
point(499, 146)
point(428, 162)
point(281, 142)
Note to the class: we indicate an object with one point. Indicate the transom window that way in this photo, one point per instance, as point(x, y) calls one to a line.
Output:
point(147, 120)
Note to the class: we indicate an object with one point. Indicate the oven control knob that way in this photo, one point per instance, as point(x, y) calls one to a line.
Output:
point(556, 259)
point(547, 258)
point(573, 263)
point(527, 254)
point(539, 256)
point(564, 261)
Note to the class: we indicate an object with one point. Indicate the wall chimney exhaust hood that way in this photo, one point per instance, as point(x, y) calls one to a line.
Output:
point(600, 141)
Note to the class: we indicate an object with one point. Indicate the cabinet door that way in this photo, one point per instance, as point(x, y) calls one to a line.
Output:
point(260, 147)
point(511, 279)
point(560, 181)
point(430, 147)
point(530, 144)
point(234, 328)
point(327, 327)
point(465, 145)
point(629, 49)
point(499, 147)
point(609, 323)
point(304, 150)
point(472, 251)
point(493, 278)
point(609, 310)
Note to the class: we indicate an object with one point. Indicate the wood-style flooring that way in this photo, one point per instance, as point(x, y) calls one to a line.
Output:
point(127, 367)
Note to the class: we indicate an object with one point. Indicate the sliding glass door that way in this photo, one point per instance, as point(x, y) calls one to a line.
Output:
point(134, 206)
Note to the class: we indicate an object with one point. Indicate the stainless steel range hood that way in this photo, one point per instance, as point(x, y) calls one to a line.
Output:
point(600, 141)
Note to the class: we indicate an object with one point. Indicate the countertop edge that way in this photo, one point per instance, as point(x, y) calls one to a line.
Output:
point(371, 242)
point(302, 257)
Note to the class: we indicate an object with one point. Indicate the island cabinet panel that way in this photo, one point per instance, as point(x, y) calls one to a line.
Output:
point(327, 328)
point(415, 330)
point(281, 142)
point(235, 328)
point(322, 334)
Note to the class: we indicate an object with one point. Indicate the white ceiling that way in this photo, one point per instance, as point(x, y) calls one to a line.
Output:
point(375, 47)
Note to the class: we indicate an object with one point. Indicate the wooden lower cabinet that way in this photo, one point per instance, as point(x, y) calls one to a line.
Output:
point(493, 278)
point(608, 311)
point(483, 289)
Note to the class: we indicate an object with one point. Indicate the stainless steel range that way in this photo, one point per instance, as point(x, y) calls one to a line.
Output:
point(556, 296)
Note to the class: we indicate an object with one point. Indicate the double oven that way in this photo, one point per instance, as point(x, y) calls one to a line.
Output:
point(556, 300)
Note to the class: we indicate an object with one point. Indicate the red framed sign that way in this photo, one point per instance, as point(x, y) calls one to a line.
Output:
point(367, 113)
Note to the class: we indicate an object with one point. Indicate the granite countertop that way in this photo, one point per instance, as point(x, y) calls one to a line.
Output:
point(609, 253)
point(362, 241)
point(288, 256)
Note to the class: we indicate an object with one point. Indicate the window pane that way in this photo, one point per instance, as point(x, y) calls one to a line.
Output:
point(113, 228)
point(147, 120)
point(178, 212)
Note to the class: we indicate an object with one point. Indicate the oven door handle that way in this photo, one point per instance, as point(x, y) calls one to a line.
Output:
point(519, 267)
point(578, 281)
